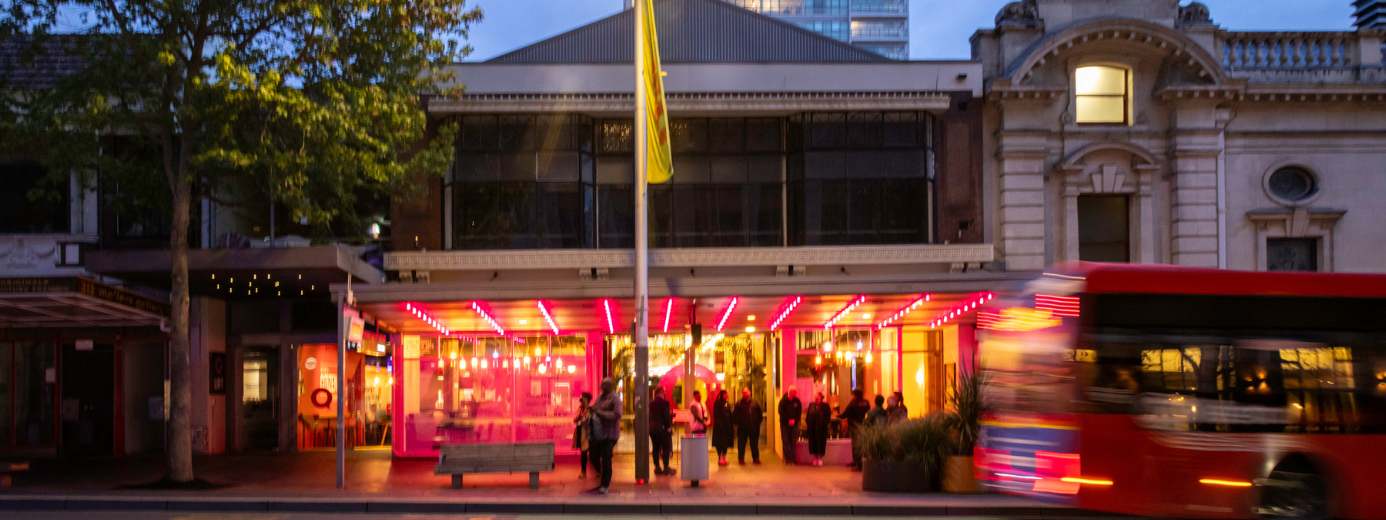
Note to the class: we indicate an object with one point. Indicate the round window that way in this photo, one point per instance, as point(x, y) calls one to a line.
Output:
point(1292, 184)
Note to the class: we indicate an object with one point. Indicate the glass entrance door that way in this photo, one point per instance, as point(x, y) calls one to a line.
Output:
point(260, 398)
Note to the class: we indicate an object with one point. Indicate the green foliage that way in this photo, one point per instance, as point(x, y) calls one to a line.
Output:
point(309, 103)
point(968, 404)
point(922, 441)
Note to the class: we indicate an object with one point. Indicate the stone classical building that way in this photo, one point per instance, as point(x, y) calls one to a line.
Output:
point(1141, 131)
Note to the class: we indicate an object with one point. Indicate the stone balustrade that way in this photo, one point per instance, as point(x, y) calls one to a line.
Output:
point(1314, 56)
point(1290, 50)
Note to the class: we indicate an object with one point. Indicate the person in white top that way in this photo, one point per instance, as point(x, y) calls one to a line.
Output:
point(698, 415)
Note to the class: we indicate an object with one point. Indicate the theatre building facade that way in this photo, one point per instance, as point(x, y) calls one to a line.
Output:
point(1141, 131)
point(822, 225)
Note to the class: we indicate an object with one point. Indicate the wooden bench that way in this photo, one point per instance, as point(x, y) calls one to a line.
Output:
point(520, 457)
point(10, 467)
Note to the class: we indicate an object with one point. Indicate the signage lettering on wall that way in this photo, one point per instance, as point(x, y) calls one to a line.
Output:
point(216, 378)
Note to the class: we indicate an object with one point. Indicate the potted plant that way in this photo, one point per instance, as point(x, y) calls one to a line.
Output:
point(964, 426)
point(904, 457)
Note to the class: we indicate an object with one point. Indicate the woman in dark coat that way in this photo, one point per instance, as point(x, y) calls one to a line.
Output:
point(723, 427)
point(817, 422)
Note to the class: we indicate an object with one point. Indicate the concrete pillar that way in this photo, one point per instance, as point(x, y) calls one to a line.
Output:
point(207, 335)
point(1195, 151)
point(1022, 209)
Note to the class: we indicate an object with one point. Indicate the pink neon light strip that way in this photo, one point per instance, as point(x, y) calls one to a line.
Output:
point(481, 311)
point(610, 323)
point(426, 318)
point(860, 299)
point(784, 313)
point(902, 312)
point(726, 314)
point(548, 317)
point(668, 312)
point(957, 311)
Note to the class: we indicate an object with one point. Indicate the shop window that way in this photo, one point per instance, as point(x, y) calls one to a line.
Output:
point(1292, 254)
point(489, 390)
point(1104, 228)
point(1103, 95)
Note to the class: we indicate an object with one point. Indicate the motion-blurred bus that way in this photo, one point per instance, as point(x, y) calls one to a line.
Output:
point(1181, 392)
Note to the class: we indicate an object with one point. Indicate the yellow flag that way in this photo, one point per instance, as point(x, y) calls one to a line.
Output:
point(657, 153)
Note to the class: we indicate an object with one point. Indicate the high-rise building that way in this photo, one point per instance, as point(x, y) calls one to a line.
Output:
point(880, 26)
point(1370, 13)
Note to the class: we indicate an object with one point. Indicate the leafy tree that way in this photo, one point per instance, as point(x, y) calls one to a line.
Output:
point(318, 99)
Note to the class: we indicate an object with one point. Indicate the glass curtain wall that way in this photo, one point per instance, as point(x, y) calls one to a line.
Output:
point(860, 178)
point(559, 181)
point(523, 182)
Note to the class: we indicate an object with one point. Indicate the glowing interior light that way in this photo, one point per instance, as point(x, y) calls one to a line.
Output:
point(827, 346)
point(1220, 482)
point(750, 330)
point(668, 312)
point(572, 369)
point(1087, 481)
point(727, 314)
point(483, 363)
point(868, 357)
point(543, 368)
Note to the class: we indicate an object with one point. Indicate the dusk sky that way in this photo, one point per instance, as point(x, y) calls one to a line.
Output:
point(939, 29)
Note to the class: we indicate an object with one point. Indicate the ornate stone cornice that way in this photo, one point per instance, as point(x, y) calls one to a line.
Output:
point(696, 102)
point(701, 257)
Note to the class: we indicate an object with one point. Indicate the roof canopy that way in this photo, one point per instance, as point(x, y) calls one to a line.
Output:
point(693, 31)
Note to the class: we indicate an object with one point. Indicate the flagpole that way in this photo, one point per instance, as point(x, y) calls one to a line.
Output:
point(640, 392)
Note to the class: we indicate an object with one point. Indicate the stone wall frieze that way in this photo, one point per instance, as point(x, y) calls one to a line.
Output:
point(709, 257)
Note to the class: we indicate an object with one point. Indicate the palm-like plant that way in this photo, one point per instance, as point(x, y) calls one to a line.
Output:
point(968, 405)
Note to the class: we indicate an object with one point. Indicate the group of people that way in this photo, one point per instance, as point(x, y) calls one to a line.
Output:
point(597, 426)
point(819, 417)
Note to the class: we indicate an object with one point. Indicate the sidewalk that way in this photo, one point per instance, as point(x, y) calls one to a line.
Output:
point(376, 482)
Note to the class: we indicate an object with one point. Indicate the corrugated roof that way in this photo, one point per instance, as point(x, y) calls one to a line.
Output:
point(24, 67)
point(693, 31)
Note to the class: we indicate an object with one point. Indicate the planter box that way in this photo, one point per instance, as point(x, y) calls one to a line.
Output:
point(896, 476)
point(959, 475)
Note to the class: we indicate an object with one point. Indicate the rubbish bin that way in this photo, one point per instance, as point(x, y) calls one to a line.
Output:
point(693, 461)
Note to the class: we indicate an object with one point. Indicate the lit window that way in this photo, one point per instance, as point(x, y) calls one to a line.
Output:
point(1102, 93)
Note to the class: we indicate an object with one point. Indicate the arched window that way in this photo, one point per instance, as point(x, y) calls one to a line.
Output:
point(1103, 95)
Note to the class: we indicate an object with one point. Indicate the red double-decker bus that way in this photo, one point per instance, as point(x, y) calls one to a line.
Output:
point(1180, 392)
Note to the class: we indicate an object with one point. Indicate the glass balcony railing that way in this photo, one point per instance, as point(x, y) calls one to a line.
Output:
point(900, 8)
point(875, 33)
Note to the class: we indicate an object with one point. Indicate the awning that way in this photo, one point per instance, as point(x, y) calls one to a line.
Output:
point(243, 273)
point(74, 302)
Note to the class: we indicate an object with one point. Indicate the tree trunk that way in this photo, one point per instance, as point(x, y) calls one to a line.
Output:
point(180, 467)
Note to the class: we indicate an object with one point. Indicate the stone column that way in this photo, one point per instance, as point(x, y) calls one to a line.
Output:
point(1022, 202)
point(1196, 148)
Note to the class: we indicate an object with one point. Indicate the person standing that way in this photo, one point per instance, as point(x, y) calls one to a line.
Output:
point(661, 431)
point(820, 416)
point(895, 409)
point(877, 416)
point(790, 409)
point(582, 431)
point(723, 429)
point(855, 413)
point(606, 430)
point(748, 418)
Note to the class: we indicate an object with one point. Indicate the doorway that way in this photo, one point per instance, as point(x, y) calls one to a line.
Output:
point(260, 399)
point(87, 409)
